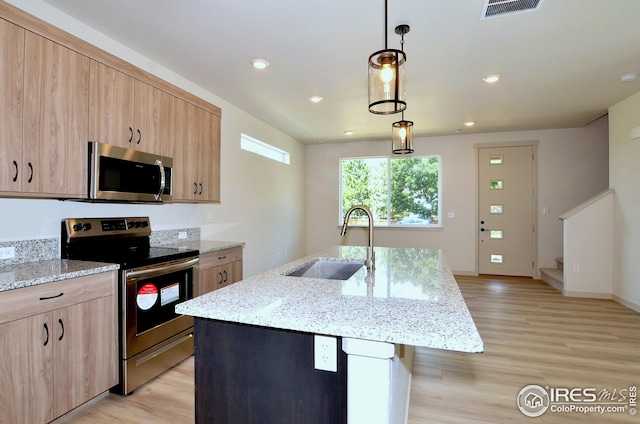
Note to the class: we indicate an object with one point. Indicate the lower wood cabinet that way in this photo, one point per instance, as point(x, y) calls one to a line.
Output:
point(219, 269)
point(52, 362)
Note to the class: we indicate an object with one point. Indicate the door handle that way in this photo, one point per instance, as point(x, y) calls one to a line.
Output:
point(46, 330)
point(62, 327)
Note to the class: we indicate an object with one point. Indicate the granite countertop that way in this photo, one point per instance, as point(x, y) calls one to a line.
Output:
point(411, 298)
point(27, 274)
point(205, 246)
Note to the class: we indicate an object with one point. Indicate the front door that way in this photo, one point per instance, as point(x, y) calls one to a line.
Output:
point(506, 211)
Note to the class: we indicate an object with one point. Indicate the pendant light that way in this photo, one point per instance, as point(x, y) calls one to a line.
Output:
point(402, 137)
point(402, 131)
point(386, 76)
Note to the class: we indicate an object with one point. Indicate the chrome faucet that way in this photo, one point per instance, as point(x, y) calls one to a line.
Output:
point(371, 256)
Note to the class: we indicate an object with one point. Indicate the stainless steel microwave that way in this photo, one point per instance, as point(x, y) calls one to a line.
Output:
point(119, 174)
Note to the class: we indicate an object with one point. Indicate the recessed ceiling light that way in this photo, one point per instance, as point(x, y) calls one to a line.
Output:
point(469, 123)
point(491, 79)
point(348, 132)
point(259, 63)
point(629, 77)
point(316, 99)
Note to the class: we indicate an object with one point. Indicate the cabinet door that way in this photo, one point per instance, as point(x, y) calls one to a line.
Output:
point(55, 119)
point(25, 370)
point(11, 86)
point(196, 141)
point(85, 352)
point(234, 272)
point(209, 147)
point(151, 119)
point(111, 105)
point(220, 276)
point(210, 280)
point(184, 130)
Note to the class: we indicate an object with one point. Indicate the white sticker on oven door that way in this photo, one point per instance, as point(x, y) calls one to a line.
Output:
point(147, 296)
point(169, 294)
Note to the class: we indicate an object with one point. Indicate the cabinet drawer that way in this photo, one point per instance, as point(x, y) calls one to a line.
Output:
point(21, 303)
point(221, 257)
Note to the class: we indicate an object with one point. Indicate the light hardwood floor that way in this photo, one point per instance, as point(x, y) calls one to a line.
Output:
point(532, 335)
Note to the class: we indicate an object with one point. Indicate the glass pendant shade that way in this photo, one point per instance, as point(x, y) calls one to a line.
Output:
point(402, 137)
point(386, 82)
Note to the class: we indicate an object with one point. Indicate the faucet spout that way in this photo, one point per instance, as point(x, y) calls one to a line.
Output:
point(370, 261)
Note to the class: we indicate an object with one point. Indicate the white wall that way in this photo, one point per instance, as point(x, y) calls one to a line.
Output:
point(572, 167)
point(588, 249)
point(262, 201)
point(624, 175)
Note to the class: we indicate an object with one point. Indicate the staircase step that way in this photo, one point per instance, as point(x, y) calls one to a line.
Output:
point(560, 264)
point(554, 277)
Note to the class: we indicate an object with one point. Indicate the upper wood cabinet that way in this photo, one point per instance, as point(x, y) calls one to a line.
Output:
point(58, 92)
point(126, 112)
point(56, 88)
point(44, 109)
point(195, 137)
point(11, 97)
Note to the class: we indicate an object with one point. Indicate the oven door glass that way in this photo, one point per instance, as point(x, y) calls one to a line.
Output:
point(156, 298)
point(152, 293)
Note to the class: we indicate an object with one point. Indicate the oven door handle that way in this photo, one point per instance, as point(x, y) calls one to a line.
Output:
point(162, 269)
point(162, 176)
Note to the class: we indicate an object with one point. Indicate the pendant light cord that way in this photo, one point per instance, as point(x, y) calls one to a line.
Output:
point(385, 24)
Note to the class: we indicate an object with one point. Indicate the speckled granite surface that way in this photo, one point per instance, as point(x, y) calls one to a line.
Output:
point(37, 261)
point(411, 298)
point(205, 246)
point(32, 250)
point(33, 273)
point(164, 237)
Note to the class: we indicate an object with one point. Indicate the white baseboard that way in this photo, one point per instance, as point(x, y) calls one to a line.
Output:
point(627, 303)
point(589, 295)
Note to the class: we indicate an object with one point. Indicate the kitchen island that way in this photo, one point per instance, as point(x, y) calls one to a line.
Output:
point(256, 339)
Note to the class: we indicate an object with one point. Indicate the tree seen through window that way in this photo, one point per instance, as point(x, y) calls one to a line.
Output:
point(398, 191)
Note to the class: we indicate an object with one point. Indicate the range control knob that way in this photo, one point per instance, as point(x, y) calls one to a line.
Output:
point(86, 227)
point(77, 227)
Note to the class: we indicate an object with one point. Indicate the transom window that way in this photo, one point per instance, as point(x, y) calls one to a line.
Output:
point(399, 191)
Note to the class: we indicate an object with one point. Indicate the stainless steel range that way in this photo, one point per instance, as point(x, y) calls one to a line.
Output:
point(152, 280)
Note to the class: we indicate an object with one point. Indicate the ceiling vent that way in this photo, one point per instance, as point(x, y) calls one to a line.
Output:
point(494, 8)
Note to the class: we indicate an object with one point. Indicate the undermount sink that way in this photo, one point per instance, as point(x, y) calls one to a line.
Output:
point(330, 270)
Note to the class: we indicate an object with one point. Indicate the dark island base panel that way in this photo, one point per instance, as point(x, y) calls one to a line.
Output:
point(256, 375)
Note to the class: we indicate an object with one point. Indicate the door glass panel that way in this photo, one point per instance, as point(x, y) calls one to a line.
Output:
point(495, 209)
point(495, 184)
point(495, 160)
point(496, 259)
point(496, 234)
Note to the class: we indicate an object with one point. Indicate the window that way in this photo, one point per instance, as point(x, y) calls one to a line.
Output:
point(261, 148)
point(398, 191)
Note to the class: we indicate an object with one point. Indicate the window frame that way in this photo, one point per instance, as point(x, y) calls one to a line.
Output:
point(389, 224)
